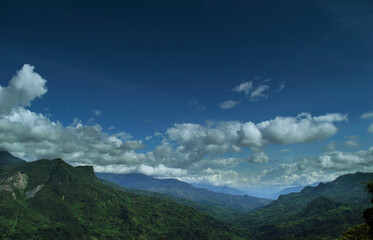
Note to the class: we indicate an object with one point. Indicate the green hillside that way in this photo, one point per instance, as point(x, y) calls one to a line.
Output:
point(362, 231)
point(49, 199)
point(218, 212)
point(322, 212)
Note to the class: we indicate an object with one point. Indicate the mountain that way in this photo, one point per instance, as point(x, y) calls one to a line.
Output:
point(49, 199)
point(291, 190)
point(219, 189)
point(7, 158)
point(321, 212)
point(181, 189)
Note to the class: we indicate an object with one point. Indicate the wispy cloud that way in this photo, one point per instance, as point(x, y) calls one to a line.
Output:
point(259, 93)
point(244, 87)
point(367, 115)
point(330, 146)
point(352, 141)
point(286, 150)
point(97, 112)
point(281, 86)
point(228, 104)
point(194, 105)
point(370, 128)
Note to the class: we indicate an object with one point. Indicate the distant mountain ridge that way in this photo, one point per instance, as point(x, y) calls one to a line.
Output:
point(291, 190)
point(219, 189)
point(321, 212)
point(181, 189)
point(7, 158)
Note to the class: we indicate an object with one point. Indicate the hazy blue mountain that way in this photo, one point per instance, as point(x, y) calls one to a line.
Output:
point(219, 189)
point(291, 190)
point(321, 212)
point(181, 189)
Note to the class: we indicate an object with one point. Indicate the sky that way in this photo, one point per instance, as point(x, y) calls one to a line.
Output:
point(247, 94)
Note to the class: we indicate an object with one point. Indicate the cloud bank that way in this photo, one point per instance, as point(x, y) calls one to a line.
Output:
point(187, 151)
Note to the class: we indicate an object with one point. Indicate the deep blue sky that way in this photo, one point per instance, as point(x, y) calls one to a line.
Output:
point(144, 64)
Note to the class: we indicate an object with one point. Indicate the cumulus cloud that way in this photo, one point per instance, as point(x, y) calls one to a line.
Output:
point(302, 128)
point(187, 144)
point(352, 161)
point(367, 115)
point(32, 135)
point(244, 87)
point(228, 104)
point(24, 87)
point(259, 93)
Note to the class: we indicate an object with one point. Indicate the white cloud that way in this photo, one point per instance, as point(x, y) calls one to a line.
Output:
point(367, 115)
point(228, 104)
point(259, 157)
point(302, 128)
point(159, 170)
point(259, 93)
point(352, 161)
point(32, 135)
point(216, 177)
point(370, 128)
point(97, 112)
point(24, 87)
point(185, 144)
point(244, 87)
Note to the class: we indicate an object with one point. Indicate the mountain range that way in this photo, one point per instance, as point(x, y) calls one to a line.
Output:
point(49, 199)
point(219, 189)
point(179, 189)
point(321, 212)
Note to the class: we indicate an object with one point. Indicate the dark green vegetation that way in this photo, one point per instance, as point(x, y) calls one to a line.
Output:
point(184, 190)
point(220, 213)
point(363, 231)
point(49, 199)
point(322, 212)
